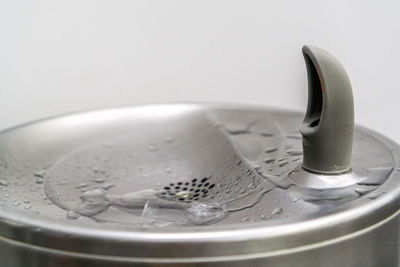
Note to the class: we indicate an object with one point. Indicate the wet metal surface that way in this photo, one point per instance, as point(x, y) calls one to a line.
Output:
point(184, 169)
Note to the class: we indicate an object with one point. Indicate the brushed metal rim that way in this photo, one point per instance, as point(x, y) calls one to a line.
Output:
point(204, 259)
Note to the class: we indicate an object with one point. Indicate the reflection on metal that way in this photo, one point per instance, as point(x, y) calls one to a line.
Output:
point(215, 172)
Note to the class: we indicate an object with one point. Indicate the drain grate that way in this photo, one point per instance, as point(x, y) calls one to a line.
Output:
point(187, 192)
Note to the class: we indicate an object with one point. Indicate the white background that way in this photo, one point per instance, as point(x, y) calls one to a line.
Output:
point(64, 56)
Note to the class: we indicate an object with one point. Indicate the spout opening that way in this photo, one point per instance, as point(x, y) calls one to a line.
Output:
point(315, 95)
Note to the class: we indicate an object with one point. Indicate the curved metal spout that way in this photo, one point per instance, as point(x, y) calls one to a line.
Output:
point(328, 125)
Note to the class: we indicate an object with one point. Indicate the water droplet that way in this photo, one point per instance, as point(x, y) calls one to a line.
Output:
point(245, 219)
point(277, 211)
point(252, 185)
point(268, 160)
point(237, 131)
point(40, 173)
point(294, 152)
point(283, 164)
point(82, 185)
point(270, 150)
point(363, 191)
point(16, 203)
point(200, 214)
point(3, 182)
point(108, 186)
point(168, 170)
point(27, 207)
point(93, 202)
point(39, 180)
point(100, 180)
point(265, 134)
point(72, 215)
point(152, 148)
